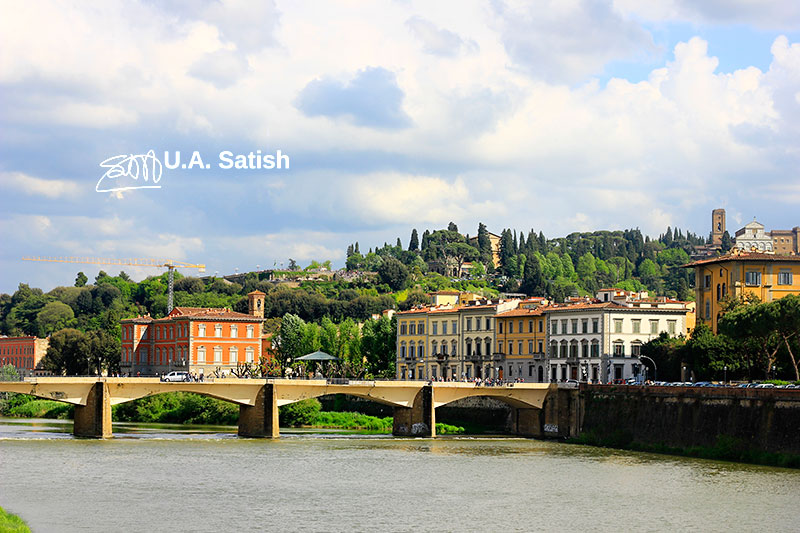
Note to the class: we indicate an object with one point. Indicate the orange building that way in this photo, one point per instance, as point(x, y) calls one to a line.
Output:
point(521, 338)
point(23, 353)
point(193, 339)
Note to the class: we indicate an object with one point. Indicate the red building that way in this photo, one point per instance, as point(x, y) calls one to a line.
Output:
point(24, 353)
point(193, 339)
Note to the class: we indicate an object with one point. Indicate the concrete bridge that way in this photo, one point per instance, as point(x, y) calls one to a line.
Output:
point(414, 402)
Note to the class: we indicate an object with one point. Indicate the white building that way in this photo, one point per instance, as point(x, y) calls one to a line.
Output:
point(601, 342)
point(752, 237)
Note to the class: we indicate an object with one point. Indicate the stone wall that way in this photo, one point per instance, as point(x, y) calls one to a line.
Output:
point(766, 420)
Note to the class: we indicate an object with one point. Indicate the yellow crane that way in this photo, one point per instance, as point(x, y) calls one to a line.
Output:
point(157, 263)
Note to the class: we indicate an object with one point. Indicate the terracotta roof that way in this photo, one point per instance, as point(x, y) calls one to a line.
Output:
point(414, 311)
point(454, 293)
point(744, 256)
point(520, 311)
point(451, 310)
point(197, 312)
point(605, 305)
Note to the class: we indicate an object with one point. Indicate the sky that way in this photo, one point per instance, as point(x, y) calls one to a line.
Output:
point(556, 115)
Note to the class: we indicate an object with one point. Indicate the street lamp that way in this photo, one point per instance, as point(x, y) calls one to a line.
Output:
point(725, 368)
point(655, 368)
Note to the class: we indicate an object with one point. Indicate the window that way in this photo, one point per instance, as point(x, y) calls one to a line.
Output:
point(707, 281)
point(500, 327)
point(541, 326)
point(201, 354)
point(519, 347)
point(411, 350)
point(530, 326)
point(403, 349)
point(637, 326)
point(540, 346)
point(421, 351)
point(510, 347)
point(412, 329)
point(708, 310)
point(434, 328)
point(595, 349)
point(444, 348)
point(619, 349)
point(785, 277)
point(233, 355)
point(585, 325)
point(671, 326)
point(554, 327)
point(218, 330)
point(752, 279)
point(403, 328)
point(250, 330)
point(469, 324)
point(421, 328)
point(217, 354)
point(455, 326)
point(249, 354)
point(585, 349)
point(201, 330)
point(595, 325)
point(510, 327)
point(654, 327)
point(499, 346)
point(234, 330)
point(530, 346)
point(617, 325)
point(488, 323)
point(574, 326)
point(564, 327)
point(444, 327)
point(520, 326)
point(636, 350)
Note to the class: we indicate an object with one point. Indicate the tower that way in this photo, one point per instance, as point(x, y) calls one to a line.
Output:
point(717, 226)
point(255, 303)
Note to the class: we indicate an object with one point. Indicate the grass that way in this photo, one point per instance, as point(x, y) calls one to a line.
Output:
point(42, 409)
point(10, 523)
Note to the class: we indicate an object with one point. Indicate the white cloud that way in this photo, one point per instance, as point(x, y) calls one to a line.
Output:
point(37, 186)
point(438, 41)
point(765, 14)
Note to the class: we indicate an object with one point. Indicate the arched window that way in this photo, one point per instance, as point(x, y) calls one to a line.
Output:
point(402, 349)
point(411, 349)
point(453, 350)
point(719, 292)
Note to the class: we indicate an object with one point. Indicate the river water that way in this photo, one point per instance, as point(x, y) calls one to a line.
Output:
point(173, 478)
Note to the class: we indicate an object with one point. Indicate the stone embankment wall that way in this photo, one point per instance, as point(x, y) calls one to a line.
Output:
point(766, 420)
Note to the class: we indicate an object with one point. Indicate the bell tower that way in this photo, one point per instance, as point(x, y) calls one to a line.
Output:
point(255, 303)
point(717, 226)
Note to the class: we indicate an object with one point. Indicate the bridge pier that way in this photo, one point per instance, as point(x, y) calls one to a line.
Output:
point(94, 418)
point(527, 422)
point(261, 419)
point(419, 420)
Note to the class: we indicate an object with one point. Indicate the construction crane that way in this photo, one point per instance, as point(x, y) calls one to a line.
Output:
point(157, 263)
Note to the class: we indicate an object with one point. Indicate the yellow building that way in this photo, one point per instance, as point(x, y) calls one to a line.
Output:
point(412, 343)
point(767, 276)
point(521, 339)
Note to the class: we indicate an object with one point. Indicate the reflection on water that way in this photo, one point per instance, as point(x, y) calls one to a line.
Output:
point(159, 477)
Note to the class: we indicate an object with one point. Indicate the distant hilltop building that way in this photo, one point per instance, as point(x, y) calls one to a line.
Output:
point(753, 238)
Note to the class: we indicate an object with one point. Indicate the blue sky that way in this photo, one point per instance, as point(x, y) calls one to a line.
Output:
point(560, 116)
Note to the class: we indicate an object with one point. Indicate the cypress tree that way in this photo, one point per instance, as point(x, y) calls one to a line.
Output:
point(413, 246)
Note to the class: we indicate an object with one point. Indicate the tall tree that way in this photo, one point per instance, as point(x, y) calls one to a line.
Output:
point(413, 245)
point(452, 227)
point(81, 280)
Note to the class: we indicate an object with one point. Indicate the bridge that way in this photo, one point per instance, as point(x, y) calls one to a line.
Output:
point(414, 402)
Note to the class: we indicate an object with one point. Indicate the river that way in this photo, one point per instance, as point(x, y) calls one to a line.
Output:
point(201, 479)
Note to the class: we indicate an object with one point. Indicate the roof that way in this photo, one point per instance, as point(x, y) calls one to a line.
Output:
point(208, 313)
point(613, 306)
point(743, 256)
point(414, 311)
point(520, 311)
point(454, 293)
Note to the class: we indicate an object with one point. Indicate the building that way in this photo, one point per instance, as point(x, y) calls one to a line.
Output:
point(494, 240)
point(785, 242)
point(411, 343)
point(521, 344)
point(24, 353)
point(202, 340)
point(443, 343)
point(601, 342)
point(717, 226)
point(766, 276)
point(753, 238)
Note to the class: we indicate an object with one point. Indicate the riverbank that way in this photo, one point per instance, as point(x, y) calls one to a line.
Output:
point(11, 523)
point(195, 409)
point(726, 448)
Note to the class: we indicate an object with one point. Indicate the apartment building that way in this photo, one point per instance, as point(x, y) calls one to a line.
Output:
point(521, 344)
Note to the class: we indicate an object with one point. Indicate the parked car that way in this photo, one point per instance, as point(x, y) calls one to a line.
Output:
point(176, 375)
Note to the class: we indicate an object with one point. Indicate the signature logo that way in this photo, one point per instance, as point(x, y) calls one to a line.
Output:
point(147, 166)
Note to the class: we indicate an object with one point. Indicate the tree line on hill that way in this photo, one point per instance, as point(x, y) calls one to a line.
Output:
point(577, 264)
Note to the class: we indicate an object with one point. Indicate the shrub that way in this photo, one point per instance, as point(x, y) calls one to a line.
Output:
point(302, 413)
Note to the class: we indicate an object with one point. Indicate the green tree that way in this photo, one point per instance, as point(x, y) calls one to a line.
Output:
point(758, 323)
point(378, 344)
point(81, 280)
point(54, 316)
point(68, 353)
point(393, 273)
